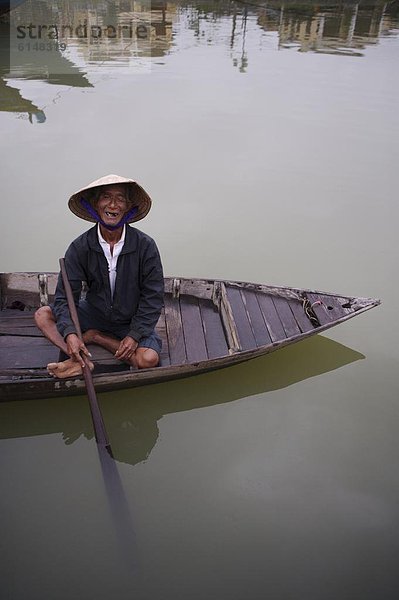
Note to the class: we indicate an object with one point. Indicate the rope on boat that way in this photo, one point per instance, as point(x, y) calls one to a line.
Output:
point(309, 312)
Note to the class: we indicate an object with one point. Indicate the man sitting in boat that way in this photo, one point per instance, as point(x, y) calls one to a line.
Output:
point(123, 271)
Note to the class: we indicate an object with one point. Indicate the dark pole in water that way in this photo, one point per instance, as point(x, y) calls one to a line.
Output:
point(97, 418)
point(116, 497)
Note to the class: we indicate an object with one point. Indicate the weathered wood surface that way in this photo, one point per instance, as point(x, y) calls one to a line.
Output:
point(194, 335)
point(16, 335)
point(259, 328)
point(327, 308)
point(205, 325)
point(245, 334)
point(305, 324)
point(200, 288)
point(25, 288)
point(26, 353)
point(286, 316)
point(161, 330)
point(270, 316)
point(15, 285)
point(221, 300)
point(174, 329)
point(213, 329)
point(23, 324)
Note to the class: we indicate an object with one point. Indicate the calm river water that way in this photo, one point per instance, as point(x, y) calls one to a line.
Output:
point(267, 135)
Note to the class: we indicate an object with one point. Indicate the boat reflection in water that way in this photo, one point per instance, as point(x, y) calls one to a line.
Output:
point(132, 416)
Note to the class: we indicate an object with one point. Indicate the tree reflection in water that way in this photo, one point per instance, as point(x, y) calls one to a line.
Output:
point(344, 28)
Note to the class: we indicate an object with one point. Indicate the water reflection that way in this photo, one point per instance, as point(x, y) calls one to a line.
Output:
point(11, 100)
point(119, 510)
point(7, 5)
point(73, 44)
point(343, 29)
point(132, 416)
point(325, 27)
point(55, 69)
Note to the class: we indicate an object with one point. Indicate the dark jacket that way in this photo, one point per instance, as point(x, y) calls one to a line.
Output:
point(138, 295)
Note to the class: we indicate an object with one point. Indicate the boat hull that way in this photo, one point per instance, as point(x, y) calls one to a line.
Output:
point(205, 325)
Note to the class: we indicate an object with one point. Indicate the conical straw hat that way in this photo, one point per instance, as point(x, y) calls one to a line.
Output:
point(137, 195)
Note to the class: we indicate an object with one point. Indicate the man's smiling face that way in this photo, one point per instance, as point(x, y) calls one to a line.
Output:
point(112, 204)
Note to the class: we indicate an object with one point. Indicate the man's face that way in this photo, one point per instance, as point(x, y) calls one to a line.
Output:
point(112, 204)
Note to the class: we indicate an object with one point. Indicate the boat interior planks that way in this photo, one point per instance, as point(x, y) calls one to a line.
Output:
point(194, 336)
point(286, 316)
point(161, 331)
point(241, 318)
point(174, 329)
point(23, 325)
point(215, 338)
point(259, 328)
point(205, 325)
point(300, 315)
point(271, 316)
point(18, 352)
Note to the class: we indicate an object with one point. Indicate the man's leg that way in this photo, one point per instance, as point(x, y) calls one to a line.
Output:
point(146, 358)
point(142, 358)
point(45, 321)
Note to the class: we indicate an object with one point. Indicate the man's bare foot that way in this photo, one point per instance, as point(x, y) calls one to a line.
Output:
point(66, 368)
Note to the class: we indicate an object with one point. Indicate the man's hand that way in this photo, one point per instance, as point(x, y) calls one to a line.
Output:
point(126, 349)
point(75, 347)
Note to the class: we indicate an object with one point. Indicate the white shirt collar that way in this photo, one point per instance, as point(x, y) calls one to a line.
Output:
point(103, 241)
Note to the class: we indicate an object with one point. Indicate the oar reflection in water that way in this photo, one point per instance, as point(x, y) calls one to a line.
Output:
point(119, 510)
point(132, 415)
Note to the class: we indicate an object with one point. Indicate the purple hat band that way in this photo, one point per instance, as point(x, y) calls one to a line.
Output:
point(94, 214)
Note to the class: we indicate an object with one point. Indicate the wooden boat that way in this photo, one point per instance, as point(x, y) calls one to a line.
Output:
point(206, 324)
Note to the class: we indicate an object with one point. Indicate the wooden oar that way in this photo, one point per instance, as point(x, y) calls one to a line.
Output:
point(97, 418)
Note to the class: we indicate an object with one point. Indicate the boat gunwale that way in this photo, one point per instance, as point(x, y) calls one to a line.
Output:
point(169, 279)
